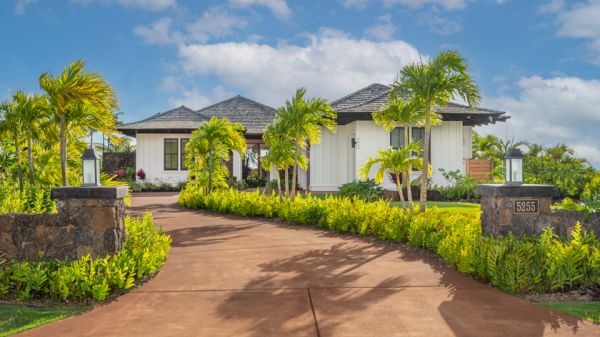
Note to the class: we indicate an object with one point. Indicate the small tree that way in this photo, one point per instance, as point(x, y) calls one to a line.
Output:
point(79, 99)
point(302, 120)
point(394, 161)
point(404, 113)
point(209, 148)
point(12, 125)
point(434, 84)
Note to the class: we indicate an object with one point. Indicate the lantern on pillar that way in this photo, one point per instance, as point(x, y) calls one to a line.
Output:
point(513, 166)
point(90, 168)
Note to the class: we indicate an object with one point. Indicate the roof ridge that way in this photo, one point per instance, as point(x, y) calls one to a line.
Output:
point(231, 99)
point(160, 114)
point(357, 91)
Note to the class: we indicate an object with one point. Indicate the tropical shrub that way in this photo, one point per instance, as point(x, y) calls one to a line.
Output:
point(462, 187)
point(33, 199)
point(516, 265)
point(592, 188)
point(367, 190)
point(143, 254)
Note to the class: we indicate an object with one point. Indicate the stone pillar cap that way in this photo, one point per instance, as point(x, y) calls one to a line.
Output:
point(91, 192)
point(524, 190)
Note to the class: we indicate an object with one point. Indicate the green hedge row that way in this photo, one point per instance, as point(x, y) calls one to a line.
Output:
point(144, 252)
point(516, 265)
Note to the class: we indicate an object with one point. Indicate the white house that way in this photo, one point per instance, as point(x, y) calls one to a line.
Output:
point(334, 161)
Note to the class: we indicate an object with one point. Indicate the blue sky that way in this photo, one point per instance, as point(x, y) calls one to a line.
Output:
point(538, 60)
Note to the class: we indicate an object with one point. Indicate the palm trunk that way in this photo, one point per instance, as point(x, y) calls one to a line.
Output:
point(295, 172)
point(279, 185)
point(18, 154)
point(425, 169)
point(287, 183)
point(63, 148)
point(408, 173)
point(210, 168)
point(399, 186)
point(30, 159)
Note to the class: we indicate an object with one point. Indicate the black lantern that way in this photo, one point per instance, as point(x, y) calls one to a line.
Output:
point(90, 167)
point(513, 166)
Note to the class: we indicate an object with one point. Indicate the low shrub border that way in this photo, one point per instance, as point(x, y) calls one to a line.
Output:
point(143, 254)
point(545, 263)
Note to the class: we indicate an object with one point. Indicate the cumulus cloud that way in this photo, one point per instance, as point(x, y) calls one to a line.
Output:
point(279, 8)
point(384, 29)
point(448, 4)
point(21, 6)
point(195, 98)
point(330, 65)
point(153, 5)
point(356, 4)
point(215, 22)
point(159, 33)
point(553, 110)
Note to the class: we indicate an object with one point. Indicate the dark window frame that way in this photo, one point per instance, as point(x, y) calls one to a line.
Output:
point(182, 143)
point(410, 128)
point(165, 141)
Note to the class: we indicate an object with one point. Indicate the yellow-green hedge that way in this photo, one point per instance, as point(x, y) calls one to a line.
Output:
point(516, 265)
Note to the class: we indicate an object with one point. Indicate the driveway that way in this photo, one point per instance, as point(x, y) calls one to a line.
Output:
point(233, 276)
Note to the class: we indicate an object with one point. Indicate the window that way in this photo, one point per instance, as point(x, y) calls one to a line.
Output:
point(418, 134)
point(171, 153)
point(397, 138)
point(183, 154)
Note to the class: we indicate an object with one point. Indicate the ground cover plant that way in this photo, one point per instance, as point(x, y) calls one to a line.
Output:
point(545, 263)
point(587, 310)
point(143, 254)
point(17, 318)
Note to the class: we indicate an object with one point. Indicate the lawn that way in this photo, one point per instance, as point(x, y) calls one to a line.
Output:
point(587, 310)
point(17, 318)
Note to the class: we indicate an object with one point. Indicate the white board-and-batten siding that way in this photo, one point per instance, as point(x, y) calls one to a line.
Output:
point(334, 161)
point(149, 156)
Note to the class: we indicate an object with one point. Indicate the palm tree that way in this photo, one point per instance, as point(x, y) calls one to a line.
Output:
point(302, 120)
point(281, 155)
point(12, 125)
point(77, 95)
point(32, 109)
point(393, 161)
point(211, 144)
point(404, 113)
point(434, 84)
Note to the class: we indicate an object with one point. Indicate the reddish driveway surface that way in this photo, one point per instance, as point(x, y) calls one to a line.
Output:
point(230, 276)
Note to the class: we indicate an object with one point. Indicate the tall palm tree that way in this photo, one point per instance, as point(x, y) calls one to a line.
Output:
point(281, 154)
point(302, 119)
point(405, 113)
point(211, 144)
point(12, 125)
point(393, 161)
point(32, 109)
point(434, 84)
point(77, 95)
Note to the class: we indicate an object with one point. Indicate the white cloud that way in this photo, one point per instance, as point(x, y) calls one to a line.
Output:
point(551, 111)
point(215, 22)
point(195, 99)
point(439, 23)
point(330, 65)
point(159, 32)
point(384, 29)
point(153, 5)
point(448, 4)
point(21, 6)
point(356, 4)
point(279, 8)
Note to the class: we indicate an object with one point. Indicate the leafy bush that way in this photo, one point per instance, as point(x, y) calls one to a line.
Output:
point(516, 265)
point(462, 187)
point(255, 182)
point(361, 189)
point(144, 252)
point(33, 199)
point(592, 188)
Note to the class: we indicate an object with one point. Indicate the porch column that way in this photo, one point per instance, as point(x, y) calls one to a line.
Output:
point(237, 165)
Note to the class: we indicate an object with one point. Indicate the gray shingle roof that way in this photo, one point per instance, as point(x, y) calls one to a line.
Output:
point(180, 118)
point(372, 97)
point(253, 115)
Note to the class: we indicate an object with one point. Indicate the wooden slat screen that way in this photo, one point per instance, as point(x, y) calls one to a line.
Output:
point(480, 169)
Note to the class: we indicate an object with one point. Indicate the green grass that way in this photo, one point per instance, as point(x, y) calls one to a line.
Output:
point(17, 318)
point(587, 310)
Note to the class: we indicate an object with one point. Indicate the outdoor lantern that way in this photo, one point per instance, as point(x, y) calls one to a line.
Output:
point(90, 167)
point(513, 165)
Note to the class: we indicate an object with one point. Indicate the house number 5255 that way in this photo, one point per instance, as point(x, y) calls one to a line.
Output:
point(527, 206)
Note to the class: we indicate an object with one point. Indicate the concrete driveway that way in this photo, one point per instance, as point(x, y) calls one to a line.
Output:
point(233, 276)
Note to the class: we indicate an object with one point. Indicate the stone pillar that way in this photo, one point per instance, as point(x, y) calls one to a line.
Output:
point(95, 217)
point(522, 210)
